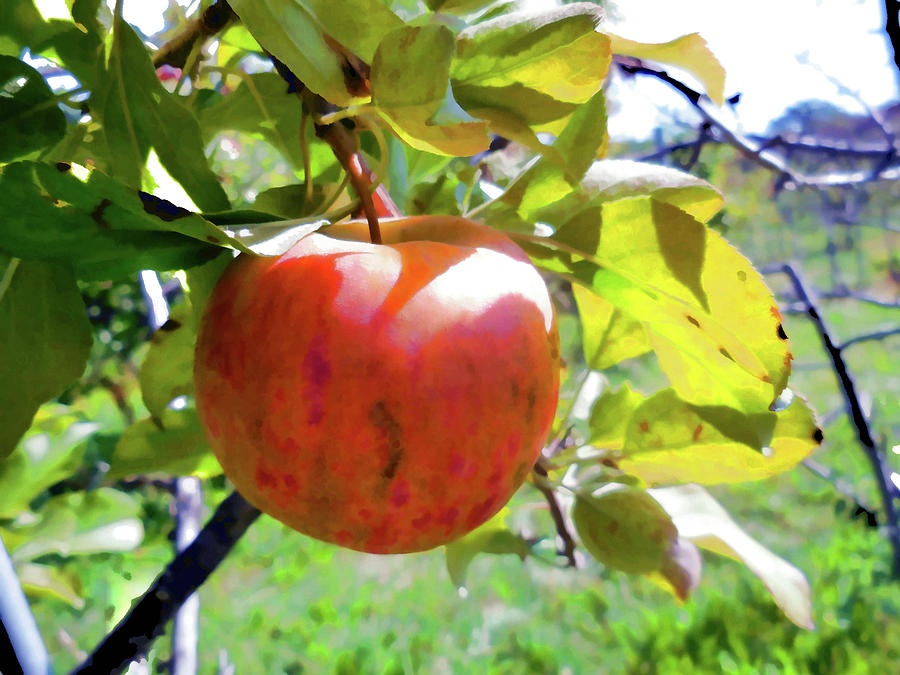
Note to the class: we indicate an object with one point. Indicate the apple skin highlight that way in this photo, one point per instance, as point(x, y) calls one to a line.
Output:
point(386, 398)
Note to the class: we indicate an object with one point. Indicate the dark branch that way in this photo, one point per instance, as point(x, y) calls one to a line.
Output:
point(176, 51)
point(183, 576)
point(880, 467)
point(866, 337)
point(759, 153)
point(556, 513)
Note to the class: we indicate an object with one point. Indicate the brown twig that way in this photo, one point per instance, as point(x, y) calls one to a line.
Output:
point(176, 51)
point(344, 146)
point(568, 549)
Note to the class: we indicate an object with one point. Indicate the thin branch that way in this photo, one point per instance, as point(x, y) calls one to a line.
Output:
point(184, 575)
point(175, 52)
point(779, 142)
point(842, 488)
point(755, 152)
point(866, 337)
point(556, 513)
point(880, 467)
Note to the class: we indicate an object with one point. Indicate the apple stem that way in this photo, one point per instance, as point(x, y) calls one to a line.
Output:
point(359, 179)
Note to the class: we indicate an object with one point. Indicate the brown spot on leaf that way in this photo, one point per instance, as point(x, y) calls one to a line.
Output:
point(697, 432)
point(644, 426)
point(742, 275)
point(692, 320)
point(724, 352)
point(781, 334)
point(97, 213)
point(818, 436)
point(211, 239)
point(62, 167)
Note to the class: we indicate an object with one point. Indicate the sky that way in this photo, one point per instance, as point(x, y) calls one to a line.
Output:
point(761, 43)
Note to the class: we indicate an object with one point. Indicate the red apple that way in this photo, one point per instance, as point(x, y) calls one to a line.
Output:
point(387, 398)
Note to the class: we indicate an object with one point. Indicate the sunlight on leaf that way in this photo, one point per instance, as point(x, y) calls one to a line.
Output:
point(689, 52)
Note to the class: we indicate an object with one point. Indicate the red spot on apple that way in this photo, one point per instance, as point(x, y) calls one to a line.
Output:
point(400, 493)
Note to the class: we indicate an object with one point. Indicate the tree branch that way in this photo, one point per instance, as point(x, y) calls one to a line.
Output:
point(556, 513)
point(175, 52)
point(880, 467)
point(758, 153)
point(866, 337)
point(184, 575)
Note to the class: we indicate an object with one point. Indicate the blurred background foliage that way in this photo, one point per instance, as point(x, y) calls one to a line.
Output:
point(285, 603)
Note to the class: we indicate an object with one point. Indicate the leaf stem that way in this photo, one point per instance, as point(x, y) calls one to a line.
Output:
point(8, 273)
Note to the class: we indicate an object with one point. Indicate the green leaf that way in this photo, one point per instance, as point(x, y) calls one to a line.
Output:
point(625, 529)
point(492, 537)
point(688, 52)
point(44, 580)
point(78, 48)
point(612, 179)
point(708, 314)
point(262, 105)
point(138, 112)
point(608, 335)
point(319, 43)
point(289, 201)
point(542, 194)
point(456, 6)
point(50, 451)
point(78, 523)
point(701, 519)
point(610, 415)
point(64, 213)
point(29, 116)
point(21, 25)
point(175, 444)
point(669, 441)
point(201, 279)
point(168, 368)
point(527, 70)
point(411, 86)
point(45, 339)
point(555, 52)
